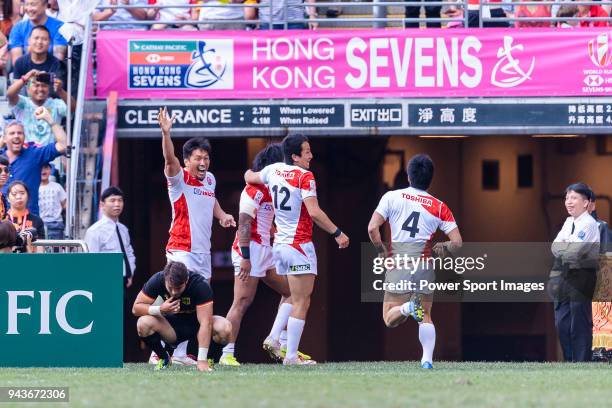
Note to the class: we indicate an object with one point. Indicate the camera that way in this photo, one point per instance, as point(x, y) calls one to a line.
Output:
point(10, 239)
point(22, 237)
point(45, 78)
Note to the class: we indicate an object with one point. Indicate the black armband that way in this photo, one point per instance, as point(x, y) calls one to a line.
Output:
point(246, 252)
point(337, 233)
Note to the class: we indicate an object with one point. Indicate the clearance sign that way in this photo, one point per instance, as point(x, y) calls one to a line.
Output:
point(61, 310)
point(355, 63)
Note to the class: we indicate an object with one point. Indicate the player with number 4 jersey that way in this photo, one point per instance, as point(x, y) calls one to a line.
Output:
point(294, 197)
point(414, 216)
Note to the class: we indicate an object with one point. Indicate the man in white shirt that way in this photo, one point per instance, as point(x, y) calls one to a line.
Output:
point(109, 235)
point(51, 202)
point(167, 13)
point(233, 17)
point(576, 249)
point(74, 14)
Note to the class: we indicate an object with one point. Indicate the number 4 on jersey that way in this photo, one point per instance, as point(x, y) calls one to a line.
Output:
point(411, 224)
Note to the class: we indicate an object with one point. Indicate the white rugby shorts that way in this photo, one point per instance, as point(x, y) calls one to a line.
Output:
point(199, 263)
point(420, 277)
point(295, 259)
point(261, 260)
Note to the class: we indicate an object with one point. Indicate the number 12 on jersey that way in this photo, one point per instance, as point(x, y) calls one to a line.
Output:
point(284, 191)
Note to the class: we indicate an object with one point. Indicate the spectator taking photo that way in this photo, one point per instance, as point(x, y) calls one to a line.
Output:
point(39, 58)
point(25, 107)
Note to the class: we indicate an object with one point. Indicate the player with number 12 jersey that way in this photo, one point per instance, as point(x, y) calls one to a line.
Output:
point(294, 198)
point(253, 260)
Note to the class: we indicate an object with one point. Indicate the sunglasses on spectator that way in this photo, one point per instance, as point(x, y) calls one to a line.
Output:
point(4, 170)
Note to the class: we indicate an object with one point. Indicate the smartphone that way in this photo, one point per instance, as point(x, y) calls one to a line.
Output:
point(45, 78)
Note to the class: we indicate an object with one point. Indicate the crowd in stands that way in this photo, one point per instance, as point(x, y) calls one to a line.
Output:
point(521, 12)
point(183, 14)
point(34, 35)
point(213, 15)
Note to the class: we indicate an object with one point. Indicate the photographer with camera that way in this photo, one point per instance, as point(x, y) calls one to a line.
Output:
point(25, 107)
point(8, 237)
point(21, 217)
point(12, 241)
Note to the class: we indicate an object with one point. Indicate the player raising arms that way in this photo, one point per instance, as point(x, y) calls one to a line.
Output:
point(294, 197)
point(187, 311)
point(192, 195)
point(253, 260)
point(414, 216)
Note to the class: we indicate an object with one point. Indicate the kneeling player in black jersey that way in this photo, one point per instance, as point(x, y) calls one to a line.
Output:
point(187, 311)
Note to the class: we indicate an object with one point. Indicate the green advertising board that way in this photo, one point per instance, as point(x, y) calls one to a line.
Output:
point(61, 310)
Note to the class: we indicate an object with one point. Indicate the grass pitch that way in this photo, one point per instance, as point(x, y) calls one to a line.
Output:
point(380, 384)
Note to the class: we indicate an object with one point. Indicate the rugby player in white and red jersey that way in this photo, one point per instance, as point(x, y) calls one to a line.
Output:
point(414, 216)
point(253, 260)
point(294, 198)
point(192, 195)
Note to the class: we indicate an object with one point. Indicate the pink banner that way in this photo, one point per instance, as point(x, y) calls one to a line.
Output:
point(355, 63)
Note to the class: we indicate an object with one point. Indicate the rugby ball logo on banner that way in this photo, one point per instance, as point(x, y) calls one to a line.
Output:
point(600, 50)
point(181, 64)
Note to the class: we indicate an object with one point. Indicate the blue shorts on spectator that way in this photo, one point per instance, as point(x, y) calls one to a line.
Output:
point(55, 230)
point(281, 26)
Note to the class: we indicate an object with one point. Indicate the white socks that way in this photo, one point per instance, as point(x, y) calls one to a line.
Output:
point(181, 350)
point(283, 339)
point(405, 310)
point(427, 337)
point(229, 349)
point(280, 322)
point(295, 327)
